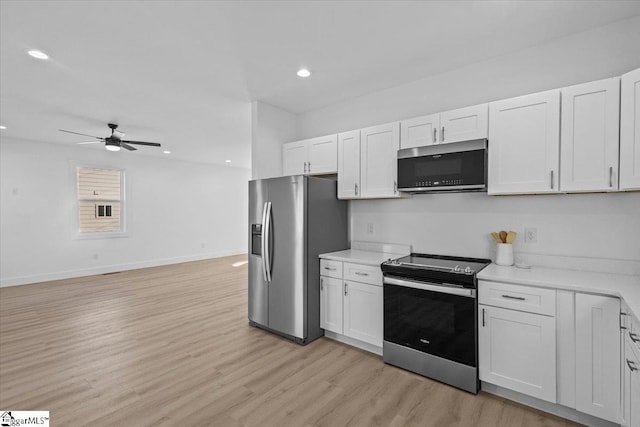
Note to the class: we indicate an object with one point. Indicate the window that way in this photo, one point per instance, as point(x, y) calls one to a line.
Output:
point(100, 200)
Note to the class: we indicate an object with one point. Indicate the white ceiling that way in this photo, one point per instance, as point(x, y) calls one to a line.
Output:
point(183, 73)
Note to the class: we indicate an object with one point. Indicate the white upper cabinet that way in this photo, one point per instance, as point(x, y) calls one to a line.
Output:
point(630, 131)
point(294, 158)
point(524, 144)
point(589, 136)
point(420, 131)
point(313, 156)
point(464, 124)
point(349, 165)
point(379, 160)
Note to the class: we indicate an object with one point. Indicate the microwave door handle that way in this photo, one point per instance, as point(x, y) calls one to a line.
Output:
point(267, 245)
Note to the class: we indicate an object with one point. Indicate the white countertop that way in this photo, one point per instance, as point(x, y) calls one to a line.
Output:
point(623, 286)
point(361, 257)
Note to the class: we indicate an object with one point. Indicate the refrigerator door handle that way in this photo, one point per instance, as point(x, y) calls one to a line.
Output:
point(266, 239)
point(263, 241)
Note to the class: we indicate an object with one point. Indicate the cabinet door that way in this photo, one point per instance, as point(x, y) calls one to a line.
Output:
point(589, 137)
point(464, 124)
point(331, 304)
point(294, 158)
point(634, 390)
point(518, 351)
point(627, 375)
point(363, 312)
point(420, 131)
point(598, 356)
point(349, 165)
point(524, 144)
point(379, 162)
point(630, 131)
point(323, 155)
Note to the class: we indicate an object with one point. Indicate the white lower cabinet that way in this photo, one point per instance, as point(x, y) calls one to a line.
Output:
point(631, 386)
point(363, 312)
point(598, 356)
point(331, 304)
point(350, 308)
point(517, 350)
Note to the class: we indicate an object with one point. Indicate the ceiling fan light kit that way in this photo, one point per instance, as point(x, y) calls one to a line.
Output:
point(113, 142)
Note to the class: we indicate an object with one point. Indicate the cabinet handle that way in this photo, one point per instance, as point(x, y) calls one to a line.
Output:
point(510, 297)
point(321, 285)
point(483, 317)
point(359, 273)
point(634, 337)
point(631, 365)
point(305, 167)
point(356, 189)
point(442, 134)
point(309, 167)
point(435, 135)
point(552, 180)
point(610, 176)
point(623, 322)
point(395, 187)
point(346, 289)
point(330, 268)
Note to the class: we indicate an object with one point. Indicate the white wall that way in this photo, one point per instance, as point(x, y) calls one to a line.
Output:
point(270, 128)
point(603, 52)
point(581, 231)
point(178, 211)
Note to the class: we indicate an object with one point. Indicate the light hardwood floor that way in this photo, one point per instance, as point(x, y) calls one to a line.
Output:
point(171, 346)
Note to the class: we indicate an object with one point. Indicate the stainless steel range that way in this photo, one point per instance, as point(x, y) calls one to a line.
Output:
point(431, 317)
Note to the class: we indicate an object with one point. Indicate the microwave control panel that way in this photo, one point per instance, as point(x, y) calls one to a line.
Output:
point(439, 183)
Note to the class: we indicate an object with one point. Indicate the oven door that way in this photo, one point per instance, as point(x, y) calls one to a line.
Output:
point(431, 318)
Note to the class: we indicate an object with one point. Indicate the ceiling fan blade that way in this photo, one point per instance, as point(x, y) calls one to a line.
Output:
point(127, 146)
point(89, 142)
point(77, 133)
point(152, 144)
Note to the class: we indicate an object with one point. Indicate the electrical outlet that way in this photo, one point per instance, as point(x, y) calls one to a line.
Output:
point(202, 245)
point(370, 228)
point(95, 256)
point(531, 235)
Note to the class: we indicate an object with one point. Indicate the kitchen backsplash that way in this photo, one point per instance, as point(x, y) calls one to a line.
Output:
point(594, 232)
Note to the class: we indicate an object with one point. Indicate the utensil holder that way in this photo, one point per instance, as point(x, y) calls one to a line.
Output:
point(504, 254)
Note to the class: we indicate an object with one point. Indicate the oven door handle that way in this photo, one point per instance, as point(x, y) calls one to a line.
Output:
point(427, 286)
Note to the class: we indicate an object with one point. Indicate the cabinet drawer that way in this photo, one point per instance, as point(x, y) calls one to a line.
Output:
point(517, 297)
point(363, 273)
point(331, 268)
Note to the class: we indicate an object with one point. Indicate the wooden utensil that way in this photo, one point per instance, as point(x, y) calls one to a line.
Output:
point(496, 237)
point(511, 236)
point(503, 236)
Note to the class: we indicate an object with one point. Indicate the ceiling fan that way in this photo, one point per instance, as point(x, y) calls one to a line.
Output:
point(115, 141)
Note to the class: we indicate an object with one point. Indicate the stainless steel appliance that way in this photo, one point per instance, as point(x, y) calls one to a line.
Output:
point(292, 220)
point(430, 317)
point(458, 166)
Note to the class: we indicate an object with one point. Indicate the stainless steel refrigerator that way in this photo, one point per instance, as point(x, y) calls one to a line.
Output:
point(292, 220)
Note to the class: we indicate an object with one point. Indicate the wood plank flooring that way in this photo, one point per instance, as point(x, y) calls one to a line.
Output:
point(171, 346)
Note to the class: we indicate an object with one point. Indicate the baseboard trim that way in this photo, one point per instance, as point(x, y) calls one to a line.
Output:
point(354, 342)
point(544, 406)
point(69, 274)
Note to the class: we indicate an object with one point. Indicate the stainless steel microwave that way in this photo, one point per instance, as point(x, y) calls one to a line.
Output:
point(457, 166)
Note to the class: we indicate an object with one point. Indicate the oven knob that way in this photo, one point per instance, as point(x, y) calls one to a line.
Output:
point(457, 269)
point(468, 270)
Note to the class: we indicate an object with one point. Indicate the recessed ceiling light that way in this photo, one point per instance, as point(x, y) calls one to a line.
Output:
point(303, 72)
point(38, 54)
point(227, 161)
point(3, 127)
point(167, 152)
